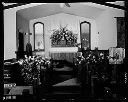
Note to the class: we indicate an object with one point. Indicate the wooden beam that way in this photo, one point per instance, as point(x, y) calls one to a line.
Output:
point(111, 5)
point(15, 5)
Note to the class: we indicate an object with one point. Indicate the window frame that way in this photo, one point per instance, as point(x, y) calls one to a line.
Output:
point(89, 33)
point(43, 37)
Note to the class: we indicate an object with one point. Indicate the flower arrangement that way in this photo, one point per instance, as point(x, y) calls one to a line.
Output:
point(30, 68)
point(63, 34)
point(93, 61)
point(92, 58)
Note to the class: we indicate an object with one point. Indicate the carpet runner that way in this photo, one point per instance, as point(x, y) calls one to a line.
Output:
point(70, 82)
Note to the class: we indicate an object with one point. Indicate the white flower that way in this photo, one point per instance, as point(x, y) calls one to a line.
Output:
point(101, 54)
point(32, 58)
point(79, 62)
point(94, 57)
point(25, 56)
point(29, 57)
point(87, 58)
point(20, 62)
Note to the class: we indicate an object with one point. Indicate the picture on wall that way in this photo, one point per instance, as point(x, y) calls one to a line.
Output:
point(116, 55)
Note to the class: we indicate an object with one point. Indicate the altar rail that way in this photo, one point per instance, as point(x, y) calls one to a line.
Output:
point(68, 56)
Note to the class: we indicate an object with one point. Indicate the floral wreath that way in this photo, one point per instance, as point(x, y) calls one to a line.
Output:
point(63, 34)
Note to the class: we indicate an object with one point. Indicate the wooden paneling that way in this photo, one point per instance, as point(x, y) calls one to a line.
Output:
point(121, 32)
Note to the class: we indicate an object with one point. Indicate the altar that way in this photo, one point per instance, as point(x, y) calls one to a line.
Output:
point(63, 53)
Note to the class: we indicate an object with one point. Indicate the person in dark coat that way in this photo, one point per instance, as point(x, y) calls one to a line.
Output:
point(29, 49)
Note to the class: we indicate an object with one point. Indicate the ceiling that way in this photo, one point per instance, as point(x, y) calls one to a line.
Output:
point(47, 9)
point(88, 9)
point(120, 3)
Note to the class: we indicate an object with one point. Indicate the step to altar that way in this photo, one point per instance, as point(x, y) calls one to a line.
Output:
point(70, 82)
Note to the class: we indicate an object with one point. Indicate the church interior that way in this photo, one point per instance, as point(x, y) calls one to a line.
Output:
point(64, 51)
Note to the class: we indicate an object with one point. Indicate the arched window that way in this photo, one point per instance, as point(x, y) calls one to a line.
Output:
point(38, 36)
point(85, 31)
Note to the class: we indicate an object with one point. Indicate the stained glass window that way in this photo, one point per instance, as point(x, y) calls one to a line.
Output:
point(39, 36)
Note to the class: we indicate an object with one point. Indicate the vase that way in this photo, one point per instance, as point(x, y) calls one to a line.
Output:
point(63, 42)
